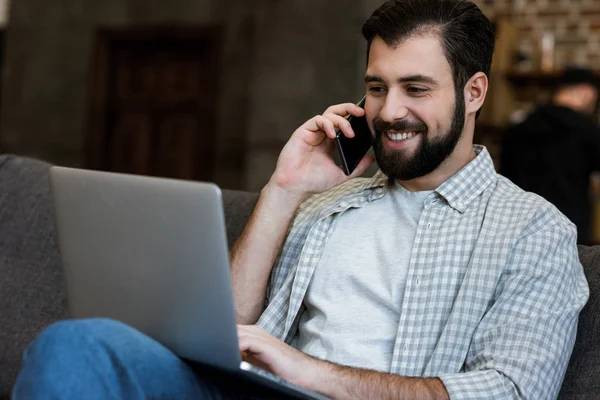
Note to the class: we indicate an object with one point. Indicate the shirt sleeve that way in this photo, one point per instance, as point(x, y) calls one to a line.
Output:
point(522, 346)
point(288, 256)
point(279, 288)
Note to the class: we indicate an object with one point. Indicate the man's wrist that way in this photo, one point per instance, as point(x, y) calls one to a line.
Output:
point(274, 194)
point(338, 381)
point(321, 376)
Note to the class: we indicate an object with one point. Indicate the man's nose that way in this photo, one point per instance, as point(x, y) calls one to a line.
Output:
point(394, 109)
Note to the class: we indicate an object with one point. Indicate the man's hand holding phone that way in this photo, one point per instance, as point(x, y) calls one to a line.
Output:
point(306, 165)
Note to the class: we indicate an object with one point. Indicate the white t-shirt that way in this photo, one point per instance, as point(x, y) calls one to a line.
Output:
point(353, 300)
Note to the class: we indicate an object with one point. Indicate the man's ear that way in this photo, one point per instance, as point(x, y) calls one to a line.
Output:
point(475, 92)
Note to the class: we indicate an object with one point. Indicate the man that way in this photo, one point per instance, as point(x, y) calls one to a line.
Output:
point(434, 279)
point(556, 149)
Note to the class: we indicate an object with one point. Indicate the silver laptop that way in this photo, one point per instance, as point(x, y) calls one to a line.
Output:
point(152, 253)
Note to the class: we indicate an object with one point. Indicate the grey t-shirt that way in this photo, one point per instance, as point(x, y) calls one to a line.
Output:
point(353, 300)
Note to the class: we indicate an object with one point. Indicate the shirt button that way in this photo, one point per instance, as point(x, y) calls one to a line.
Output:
point(343, 204)
point(418, 281)
point(379, 191)
point(429, 226)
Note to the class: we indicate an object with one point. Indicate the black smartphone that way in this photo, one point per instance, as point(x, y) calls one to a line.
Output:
point(352, 150)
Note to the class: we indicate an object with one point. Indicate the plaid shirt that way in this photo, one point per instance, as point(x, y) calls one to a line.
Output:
point(494, 285)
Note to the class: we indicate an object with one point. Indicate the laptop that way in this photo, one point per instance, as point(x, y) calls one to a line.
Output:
point(152, 253)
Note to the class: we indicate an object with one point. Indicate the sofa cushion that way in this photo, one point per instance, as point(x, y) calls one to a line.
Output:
point(582, 380)
point(31, 288)
point(238, 206)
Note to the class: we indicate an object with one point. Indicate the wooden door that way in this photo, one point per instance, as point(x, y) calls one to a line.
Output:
point(154, 102)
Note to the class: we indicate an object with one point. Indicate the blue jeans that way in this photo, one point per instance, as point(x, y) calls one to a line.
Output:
point(105, 359)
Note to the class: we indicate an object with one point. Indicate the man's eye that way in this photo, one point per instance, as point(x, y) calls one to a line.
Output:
point(416, 90)
point(376, 89)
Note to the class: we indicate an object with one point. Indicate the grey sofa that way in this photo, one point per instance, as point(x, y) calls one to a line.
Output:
point(32, 293)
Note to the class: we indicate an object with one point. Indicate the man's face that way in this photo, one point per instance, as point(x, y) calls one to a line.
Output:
point(411, 106)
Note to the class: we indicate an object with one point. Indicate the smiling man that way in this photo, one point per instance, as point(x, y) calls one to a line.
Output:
point(434, 279)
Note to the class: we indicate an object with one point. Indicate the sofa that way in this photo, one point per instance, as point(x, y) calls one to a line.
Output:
point(32, 293)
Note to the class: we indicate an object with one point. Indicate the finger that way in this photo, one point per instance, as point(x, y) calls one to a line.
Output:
point(325, 125)
point(252, 333)
point(243, 327)
point(249, 344)
point(345, 109)
point(250, 329)
point(256, 348)
point(244, 344)
point(258, 352)
point(341, 124)
point(331, 125)
point(257, 363)
point(244, 333)
point(362, 166)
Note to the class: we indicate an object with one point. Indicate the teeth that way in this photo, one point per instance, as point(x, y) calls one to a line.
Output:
point(400, 136)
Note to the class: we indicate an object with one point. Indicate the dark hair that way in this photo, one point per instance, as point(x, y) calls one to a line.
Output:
point(574, 75)
point(467, 35)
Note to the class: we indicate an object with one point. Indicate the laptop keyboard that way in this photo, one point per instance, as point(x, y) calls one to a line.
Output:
point(283, 382)
point(273, 377)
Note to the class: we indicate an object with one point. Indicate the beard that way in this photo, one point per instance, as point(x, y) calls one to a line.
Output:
point(430, 153)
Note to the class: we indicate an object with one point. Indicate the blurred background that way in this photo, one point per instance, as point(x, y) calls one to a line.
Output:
point(212, 89)
point(195, 89)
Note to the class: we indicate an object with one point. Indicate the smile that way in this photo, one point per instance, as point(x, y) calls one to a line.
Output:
point(398, 137)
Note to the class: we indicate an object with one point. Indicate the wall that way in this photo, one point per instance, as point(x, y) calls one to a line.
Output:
point(575, 25)
point(49, 64)
point(284, 61)
point(4, 6)
point(307, 58)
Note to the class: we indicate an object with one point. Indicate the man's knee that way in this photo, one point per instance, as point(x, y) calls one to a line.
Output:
point(68, 357)
point(83, 328)
point(73, 336)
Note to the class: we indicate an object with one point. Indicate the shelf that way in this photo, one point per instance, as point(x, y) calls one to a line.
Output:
point(537, 78)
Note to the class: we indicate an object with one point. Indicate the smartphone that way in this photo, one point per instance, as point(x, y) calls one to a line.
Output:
point(352, 150)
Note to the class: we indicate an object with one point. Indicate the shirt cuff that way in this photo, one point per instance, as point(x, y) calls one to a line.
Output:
point(477, 385)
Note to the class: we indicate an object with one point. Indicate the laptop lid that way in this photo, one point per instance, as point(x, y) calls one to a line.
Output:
point(152, 253)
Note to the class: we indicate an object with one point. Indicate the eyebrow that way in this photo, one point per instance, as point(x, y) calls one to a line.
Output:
point(404, 79)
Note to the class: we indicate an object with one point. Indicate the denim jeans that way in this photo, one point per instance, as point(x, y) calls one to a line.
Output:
point(105, 359)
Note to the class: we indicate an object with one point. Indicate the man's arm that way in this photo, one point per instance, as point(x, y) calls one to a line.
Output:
point(305, 166)
point(522, 345)
point(255, 251)
point(352, 383)
point(332, 380)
